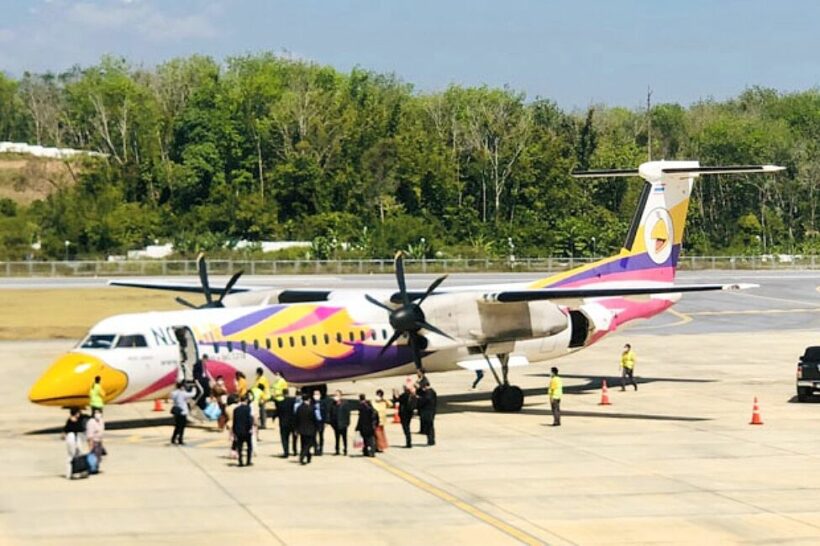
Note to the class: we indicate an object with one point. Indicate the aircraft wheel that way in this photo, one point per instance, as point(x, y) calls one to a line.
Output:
point(508, 398)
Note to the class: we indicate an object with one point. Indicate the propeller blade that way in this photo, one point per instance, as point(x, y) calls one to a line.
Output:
point(374, 301)
point(391, 341)
point(400, 277)
point(416, 350)
point(231, 282)
point(203, 277)
point(432, 288)
point(428, 326)
point(186, 303)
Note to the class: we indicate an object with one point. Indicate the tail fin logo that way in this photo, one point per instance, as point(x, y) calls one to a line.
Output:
point(658, 233)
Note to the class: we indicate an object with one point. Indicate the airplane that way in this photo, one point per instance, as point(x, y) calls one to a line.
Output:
point(314, 337)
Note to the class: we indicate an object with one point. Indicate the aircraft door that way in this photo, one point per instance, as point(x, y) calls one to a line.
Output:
point(188, 353)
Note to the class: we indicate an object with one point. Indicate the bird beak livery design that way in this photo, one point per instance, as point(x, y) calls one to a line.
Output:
point(315, 336)
point(69, 379)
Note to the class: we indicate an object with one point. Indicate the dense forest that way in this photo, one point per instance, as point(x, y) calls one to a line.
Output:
point(260, 147)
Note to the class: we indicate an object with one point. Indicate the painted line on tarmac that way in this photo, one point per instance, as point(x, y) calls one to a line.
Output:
point(772, 298)
point(683, 318)
point(464, 506)
point(755, 312)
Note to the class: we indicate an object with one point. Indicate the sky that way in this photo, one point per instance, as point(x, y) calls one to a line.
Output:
point(576, 53)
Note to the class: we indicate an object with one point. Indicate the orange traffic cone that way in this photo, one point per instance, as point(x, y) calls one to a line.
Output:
point(756, 420)
point(158, 405)
point(396, 413)
point(604, 396)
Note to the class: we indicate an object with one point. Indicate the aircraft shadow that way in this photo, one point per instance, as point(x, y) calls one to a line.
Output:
point(125, 424)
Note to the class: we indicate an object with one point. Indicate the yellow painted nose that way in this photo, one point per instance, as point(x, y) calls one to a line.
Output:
point(67, 381)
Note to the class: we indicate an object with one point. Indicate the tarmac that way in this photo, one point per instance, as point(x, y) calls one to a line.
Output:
point(674, 463)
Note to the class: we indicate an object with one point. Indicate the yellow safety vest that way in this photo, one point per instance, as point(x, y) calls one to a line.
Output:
point(280, 387)
point(266, 391)
point(241, 387)
point(628, 359)
point(96, 396)
point(556, 389)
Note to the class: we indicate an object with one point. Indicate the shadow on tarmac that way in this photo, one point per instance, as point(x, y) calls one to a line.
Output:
point(125, 424)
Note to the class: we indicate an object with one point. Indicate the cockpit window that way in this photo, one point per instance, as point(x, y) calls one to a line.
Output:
point(135, 340)
point(98, 341)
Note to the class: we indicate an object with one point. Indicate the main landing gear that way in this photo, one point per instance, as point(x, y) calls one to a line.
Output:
point(506, 398)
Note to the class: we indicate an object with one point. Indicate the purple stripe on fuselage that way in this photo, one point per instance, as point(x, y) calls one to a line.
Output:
point(249, 320)
point(621, 265)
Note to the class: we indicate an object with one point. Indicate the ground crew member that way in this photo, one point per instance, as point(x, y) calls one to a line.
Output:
point(256, 395)
point(556, 391)
point(279, 389)
point(264, 387)
point(241, 385)
point(628, 367)
point(96, 395)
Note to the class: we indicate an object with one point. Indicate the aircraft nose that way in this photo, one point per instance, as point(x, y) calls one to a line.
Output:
point(67, 381)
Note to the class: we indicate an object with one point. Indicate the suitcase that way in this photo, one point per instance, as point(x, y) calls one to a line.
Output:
point(79, 466)
point(93, 463)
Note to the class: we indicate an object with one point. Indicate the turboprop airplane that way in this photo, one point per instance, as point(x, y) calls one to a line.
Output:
point(314, 337)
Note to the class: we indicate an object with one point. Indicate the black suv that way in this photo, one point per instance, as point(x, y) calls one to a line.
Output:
point(808, 373)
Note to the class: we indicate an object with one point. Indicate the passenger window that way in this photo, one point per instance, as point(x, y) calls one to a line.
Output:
point(313, 339)
point(362, 335)
point(327, 339)
point(373, 335)
point(131, 341)
point(339, 337)
point(304, 341)
point(256, 344)
point(216, 347)
point(267, 343)
point(384, 334)
point(243, 345)
point(292, 343)
point(230, 346)
point(352, 336)
point(279, 342)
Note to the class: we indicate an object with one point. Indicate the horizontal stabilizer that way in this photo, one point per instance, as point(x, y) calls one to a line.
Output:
point(605, 292)
point(694, 171)
point(176, 287)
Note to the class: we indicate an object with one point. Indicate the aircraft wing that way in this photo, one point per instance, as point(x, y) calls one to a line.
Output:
point(580, 293)
point(177, 287)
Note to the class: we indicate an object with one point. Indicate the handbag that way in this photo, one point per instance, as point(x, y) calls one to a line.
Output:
point(176, 410)
point(358, 443)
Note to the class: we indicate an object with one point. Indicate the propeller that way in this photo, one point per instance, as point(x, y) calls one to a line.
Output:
point(210, 303)
point(408, 318)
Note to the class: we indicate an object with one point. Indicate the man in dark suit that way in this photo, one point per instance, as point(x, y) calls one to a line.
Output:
point(320, 411)
point(339, 420)
point(366, 426)
point(306, 427)
point(427, 411)
point(243, 429)
point(286, 417)
point(407, 401)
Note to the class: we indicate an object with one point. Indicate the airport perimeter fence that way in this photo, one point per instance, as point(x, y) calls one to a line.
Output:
point(81, 268)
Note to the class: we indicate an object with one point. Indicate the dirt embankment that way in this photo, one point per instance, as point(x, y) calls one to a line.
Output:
point(24, 179)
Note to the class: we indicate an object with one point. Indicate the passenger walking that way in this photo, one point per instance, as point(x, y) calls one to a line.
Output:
point(421, 382)
point(366, 426)
point(479, 375)
point(555, 392)
point(320, 412)
point(96, 395)
point(339, 420)
point(628, 360)
point(72, 433)
point(286, 418)
point(180, 410)
point(306, 427)
point(428, 400)
point(94, 429)
point(407, 401)
point(381, 405)
point(220, 394)
point(264, 386)
point(297, 403)
point(243, 430)
point(203, 381)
